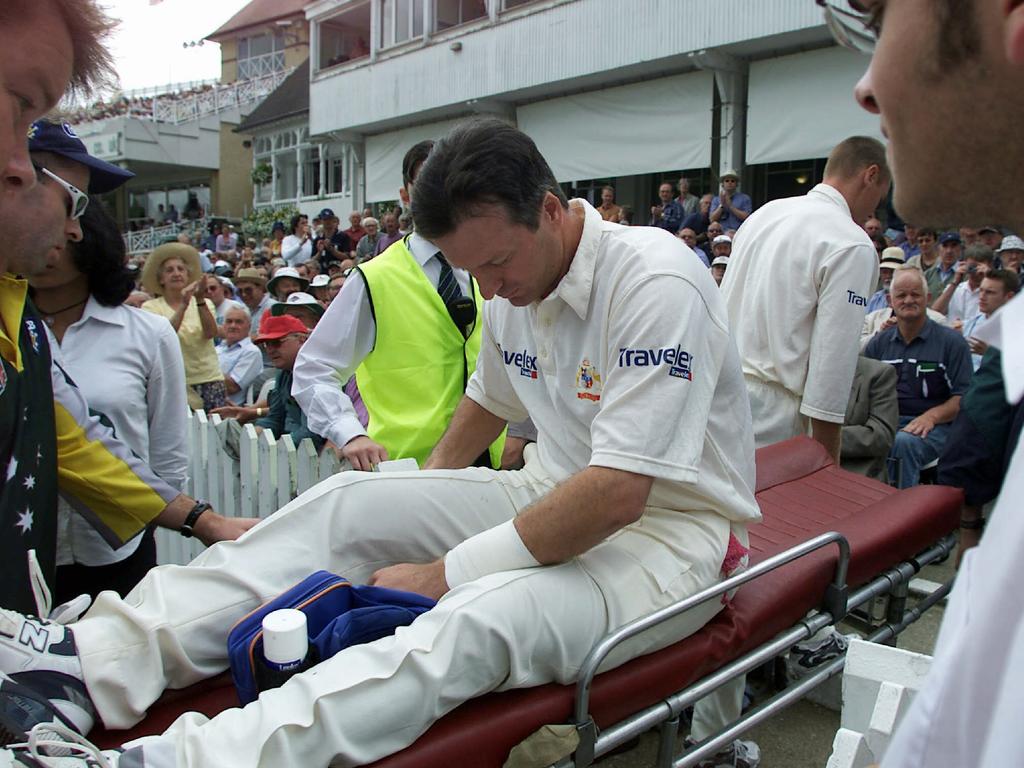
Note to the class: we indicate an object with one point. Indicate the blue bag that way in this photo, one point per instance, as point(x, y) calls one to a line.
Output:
point(338, 614)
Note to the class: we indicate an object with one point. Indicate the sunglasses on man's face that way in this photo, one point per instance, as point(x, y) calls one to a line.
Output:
point(79, 200)
point(854, 24)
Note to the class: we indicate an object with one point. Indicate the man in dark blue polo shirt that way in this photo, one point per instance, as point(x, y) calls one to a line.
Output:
point(934, 368)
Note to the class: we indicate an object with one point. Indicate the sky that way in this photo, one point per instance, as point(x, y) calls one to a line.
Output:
point(147, 45)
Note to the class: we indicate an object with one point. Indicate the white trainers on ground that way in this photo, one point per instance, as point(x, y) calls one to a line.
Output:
point(40, 678)
point(805, 657)
point(739, 754)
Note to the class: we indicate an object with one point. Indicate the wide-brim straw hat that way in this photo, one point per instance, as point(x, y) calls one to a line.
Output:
point(155, 262)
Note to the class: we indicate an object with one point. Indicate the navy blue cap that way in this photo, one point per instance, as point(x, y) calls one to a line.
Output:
point(327, 213)
point(60, 139)
point(277, 225)
point(949, 237)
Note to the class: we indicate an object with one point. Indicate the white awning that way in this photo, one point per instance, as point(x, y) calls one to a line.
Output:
point(801, 106)
point(646, 127)
point(384, 153)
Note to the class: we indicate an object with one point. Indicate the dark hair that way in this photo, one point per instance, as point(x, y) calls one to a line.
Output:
point(879, 241)
point(414, 158)
point(295, 221)
point(482, 162)
point(1010, 281)
point(101, 256)
point(928, 231)
point(979, 252)
point(851, 156)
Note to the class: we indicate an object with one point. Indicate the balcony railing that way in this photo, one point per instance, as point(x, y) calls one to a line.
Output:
point(145, 240)
point(170, 109)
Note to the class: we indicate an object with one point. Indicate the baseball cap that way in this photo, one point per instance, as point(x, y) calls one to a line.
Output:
point(988, 228)
point(273, 327)
point(892, 256)
point(1011, 243)
point(949, 237)
point(276, 226)
point(720, 261)
point(60, 139)
point(722, 239)
point(297, 299)
point(327, 213)
point(320, 281)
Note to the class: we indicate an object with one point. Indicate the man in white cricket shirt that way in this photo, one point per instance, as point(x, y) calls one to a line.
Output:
point(636, 494)
point(799, 276)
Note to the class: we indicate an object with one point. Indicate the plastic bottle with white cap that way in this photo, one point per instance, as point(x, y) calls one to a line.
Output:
point(286, 649)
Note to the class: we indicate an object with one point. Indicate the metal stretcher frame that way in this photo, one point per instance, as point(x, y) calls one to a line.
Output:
point(837, 603)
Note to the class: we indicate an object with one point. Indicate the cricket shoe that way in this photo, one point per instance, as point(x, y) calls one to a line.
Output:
point(55, 746)
point(40, 677)
point(739, 754)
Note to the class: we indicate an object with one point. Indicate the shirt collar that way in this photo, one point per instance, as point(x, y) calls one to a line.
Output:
point(1011, 316)
point(832, 195)
point(96, 311)
point(576, 285)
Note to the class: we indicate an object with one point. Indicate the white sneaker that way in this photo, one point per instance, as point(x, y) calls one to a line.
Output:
point(54, 746)
point(40, 677)
point(805, 657)
point(739, 754)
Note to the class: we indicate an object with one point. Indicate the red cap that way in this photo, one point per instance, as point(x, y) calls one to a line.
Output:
point(272, 328)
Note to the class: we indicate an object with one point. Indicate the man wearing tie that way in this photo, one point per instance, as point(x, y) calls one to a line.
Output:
point(409, 331)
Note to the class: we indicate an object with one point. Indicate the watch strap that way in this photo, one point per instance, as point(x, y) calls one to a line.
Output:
point(187, 528)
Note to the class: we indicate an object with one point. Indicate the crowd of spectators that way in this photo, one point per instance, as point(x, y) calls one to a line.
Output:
point(131, 106)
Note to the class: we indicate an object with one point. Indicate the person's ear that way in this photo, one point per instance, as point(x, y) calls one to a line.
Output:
point(1014, 31)
point(403, 195)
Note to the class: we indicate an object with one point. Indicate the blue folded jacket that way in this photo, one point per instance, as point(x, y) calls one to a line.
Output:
point(338, 614)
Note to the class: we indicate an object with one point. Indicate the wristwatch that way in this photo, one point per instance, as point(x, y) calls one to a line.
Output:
point(187, 528)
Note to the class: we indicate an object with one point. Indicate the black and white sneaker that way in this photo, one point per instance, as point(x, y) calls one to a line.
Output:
point(740, 754)
point(40, 677)
point(805, 657)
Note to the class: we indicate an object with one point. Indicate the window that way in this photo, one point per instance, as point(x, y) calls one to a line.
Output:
point(450, 13)
point(346, 36)
point(507, 4)
point(311, 171)
point(401, 20)
point(260, 55)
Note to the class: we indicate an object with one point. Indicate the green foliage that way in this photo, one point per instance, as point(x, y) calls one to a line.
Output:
point(262, 173)
point(258, 223)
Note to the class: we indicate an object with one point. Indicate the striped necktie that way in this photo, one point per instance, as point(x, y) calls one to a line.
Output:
point(447, 285)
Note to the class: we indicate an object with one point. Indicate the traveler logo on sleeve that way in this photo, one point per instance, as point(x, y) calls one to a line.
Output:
point(678, 360)
point(588, 382)
point(524, 361)
point(853, 298)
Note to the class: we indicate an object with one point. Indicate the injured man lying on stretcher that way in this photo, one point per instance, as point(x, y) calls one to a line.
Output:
point(636, 494)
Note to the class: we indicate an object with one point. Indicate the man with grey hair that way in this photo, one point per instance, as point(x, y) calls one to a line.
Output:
point(240, 359)
point(366, 248)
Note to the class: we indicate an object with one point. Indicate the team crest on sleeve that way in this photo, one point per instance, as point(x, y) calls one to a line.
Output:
point(588, 382)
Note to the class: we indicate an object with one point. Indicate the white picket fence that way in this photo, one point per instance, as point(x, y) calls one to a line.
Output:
point(269, 474)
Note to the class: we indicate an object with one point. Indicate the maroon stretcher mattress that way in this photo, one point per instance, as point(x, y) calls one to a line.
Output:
point(801, 493)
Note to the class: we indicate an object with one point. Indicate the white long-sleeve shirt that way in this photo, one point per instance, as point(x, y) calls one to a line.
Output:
point(128, 364)
point(296, 252)
point(798, 281)
point(342, 339)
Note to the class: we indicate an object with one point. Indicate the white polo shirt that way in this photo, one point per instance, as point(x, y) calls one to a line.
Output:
point(964, 305)
point(627, 364)
point(797, 286)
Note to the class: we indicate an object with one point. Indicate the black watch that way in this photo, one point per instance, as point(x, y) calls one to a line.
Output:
point(187, 527)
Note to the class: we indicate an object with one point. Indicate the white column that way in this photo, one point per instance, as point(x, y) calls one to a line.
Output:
point(322, 152)
point(300, 171)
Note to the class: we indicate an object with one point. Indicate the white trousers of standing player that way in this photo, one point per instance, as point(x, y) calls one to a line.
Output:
point(507, 630)
point(775, 412)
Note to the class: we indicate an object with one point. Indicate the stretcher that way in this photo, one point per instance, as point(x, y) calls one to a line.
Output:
point(830, 541)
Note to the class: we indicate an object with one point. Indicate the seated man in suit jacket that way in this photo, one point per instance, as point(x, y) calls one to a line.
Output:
point(871, 419)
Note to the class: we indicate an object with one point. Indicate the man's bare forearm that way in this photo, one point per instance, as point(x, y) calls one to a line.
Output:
point(471, 430)
point(582, 512)
point(830, 435)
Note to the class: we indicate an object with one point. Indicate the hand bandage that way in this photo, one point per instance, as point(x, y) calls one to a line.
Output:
point(494, 550)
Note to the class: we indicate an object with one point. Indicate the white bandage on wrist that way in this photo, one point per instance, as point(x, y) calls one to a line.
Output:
point(496, 549)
